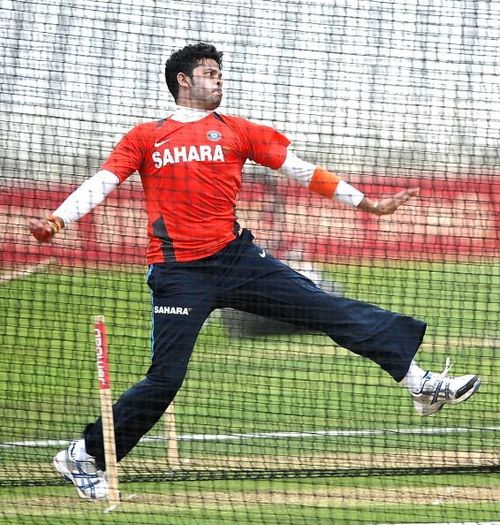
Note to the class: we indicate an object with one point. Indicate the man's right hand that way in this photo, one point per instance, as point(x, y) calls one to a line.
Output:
point(44, 229)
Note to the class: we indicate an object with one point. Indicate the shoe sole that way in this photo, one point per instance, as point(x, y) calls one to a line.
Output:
point(469, 389)
point(60, 467)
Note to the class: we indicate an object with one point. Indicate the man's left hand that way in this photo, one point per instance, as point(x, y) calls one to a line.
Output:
point(388, 205)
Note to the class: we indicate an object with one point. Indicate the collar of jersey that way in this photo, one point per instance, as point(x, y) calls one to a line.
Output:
point(186, 114)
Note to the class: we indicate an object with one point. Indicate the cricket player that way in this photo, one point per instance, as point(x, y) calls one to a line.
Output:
point(199, 259)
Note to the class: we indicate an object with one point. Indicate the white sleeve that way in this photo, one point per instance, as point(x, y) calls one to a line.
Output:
point(348, 194)
point(297, 169)
point(87, 196)
point(302, 171)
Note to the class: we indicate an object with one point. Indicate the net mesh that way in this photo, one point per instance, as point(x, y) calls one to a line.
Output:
point(273, 424)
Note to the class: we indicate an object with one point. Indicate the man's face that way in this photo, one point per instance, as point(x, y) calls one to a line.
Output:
point(205, 89)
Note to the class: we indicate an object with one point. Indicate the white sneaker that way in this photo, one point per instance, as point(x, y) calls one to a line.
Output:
point(90, 482)
point(437, 390)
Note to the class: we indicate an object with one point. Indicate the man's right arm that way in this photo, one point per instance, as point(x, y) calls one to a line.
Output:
point(125, 159)
point(85, 198)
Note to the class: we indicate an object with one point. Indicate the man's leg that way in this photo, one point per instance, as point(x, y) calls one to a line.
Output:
point(263, 285)
point(260, 284)
point(181, 302)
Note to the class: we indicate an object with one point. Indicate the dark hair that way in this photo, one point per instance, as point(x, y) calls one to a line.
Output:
point(185, 60)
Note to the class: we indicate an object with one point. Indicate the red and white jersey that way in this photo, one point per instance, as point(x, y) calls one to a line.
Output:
point(191, 174)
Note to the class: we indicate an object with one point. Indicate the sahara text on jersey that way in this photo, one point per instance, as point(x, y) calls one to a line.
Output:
point(201, 153)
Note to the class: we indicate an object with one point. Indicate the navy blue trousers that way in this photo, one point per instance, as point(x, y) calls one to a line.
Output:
point(243, 276)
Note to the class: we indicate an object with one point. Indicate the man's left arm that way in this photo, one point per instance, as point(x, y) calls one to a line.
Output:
point(322, 181)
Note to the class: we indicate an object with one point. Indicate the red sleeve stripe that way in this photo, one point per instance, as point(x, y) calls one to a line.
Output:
point(324, 182)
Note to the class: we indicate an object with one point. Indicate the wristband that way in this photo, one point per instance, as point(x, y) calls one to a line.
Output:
point(56, 223)
point(323, 182)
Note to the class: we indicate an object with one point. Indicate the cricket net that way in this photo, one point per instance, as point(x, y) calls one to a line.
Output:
point(273, 424)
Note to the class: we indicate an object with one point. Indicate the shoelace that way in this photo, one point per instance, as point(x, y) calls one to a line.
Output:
point(441, 377)
point(447, 368)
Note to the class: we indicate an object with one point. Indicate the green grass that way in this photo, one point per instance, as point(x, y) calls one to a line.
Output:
point(344, 501)
point(292, 383)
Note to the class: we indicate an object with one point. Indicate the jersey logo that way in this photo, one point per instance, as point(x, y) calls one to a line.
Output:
point(158, 144)
point(172, 310)
point(202, 153)
point(214, 135)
